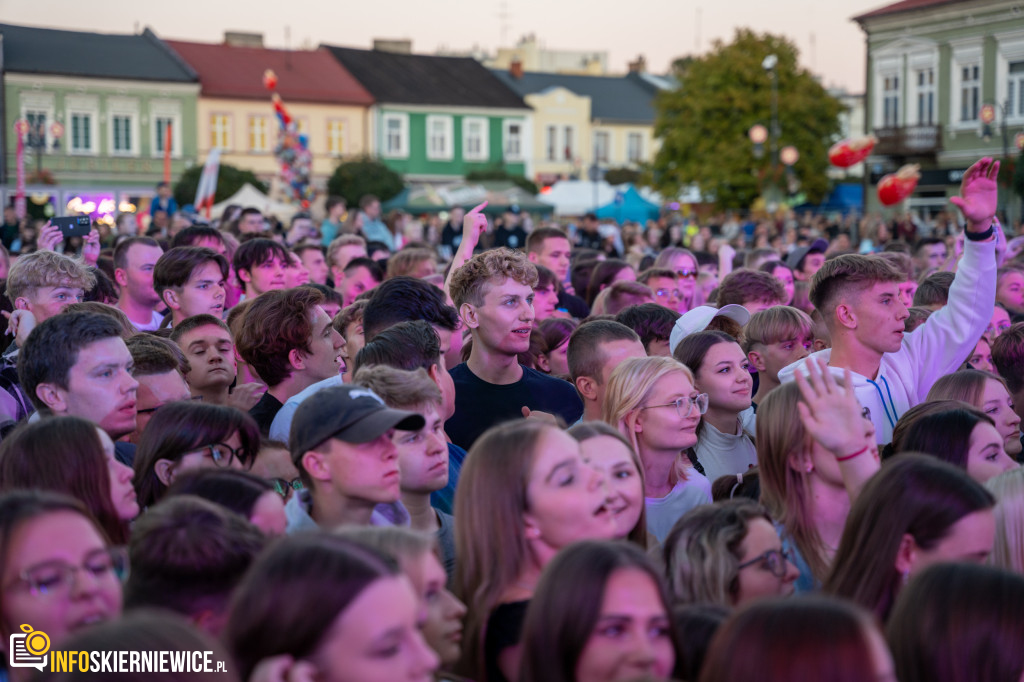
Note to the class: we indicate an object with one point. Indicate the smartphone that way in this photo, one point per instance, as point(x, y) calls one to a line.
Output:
point(73, 226)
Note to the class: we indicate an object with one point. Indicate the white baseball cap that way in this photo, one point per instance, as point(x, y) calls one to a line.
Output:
point(698, 319)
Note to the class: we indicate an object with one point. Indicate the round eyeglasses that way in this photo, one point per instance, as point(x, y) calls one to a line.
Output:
point(223, 454)
point(774, 560)
point(57, 577)
point(684, 404)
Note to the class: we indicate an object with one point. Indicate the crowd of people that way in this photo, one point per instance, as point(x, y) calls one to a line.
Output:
point(512, 452)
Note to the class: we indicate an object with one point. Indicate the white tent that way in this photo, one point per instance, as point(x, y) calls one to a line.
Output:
point(250, 196)
point(576, 197)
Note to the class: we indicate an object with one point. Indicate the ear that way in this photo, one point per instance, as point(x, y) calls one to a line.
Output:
point(587, 387)
point(171, 299)
point(315, 464)
point(634, 421)
point(819, 344)
point(297, 359)
point(243, 276)
point(907, 554)
point(532, 257)
point(337, 275)
point(467, 311)
point(757, 360)
point(22, 303)
point(846, 316)
point(530, 527)
point(53, 397)
point(800, 462)
point(543, 364)
point(121, 277)
point(164, 470)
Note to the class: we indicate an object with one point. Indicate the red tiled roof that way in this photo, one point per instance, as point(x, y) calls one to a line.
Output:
point(903, 6)
point(302, 75)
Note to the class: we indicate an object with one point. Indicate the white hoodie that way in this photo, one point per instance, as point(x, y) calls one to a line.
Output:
point(936, 348)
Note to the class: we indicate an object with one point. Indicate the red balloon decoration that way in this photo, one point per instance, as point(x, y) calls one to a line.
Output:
point(269, 79)
point(895, 187)
point(847, 153)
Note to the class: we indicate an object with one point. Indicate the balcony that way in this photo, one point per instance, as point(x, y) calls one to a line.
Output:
point(909, 141)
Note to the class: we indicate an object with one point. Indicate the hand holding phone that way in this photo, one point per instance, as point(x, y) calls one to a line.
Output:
point(73, 226)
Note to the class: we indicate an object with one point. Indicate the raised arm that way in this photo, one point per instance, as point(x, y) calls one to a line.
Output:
point(474, 224)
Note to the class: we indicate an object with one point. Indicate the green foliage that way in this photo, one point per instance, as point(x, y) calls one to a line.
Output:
point(618, 176)
point(703, 124)
point(355, 179)
point(499, 173)
point(229, 181)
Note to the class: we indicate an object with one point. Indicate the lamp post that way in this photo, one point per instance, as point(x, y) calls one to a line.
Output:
point(769, 64)
point(36, 141)
point(988, 117)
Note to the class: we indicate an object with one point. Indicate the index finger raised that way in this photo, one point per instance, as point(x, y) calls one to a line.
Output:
point(477, 209)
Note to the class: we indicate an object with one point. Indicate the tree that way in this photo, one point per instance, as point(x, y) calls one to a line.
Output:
point(355, 179)
point(618, 176)
point(229, 181)
point(703, 123)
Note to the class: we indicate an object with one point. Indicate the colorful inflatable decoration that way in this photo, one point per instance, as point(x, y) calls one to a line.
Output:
point(292, 150)
point(895, 187)
point(846, 153)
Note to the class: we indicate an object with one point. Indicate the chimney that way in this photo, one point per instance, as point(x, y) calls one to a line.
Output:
point(638, 66)
point(515, 69)
point(396, 46)
point(242, 39)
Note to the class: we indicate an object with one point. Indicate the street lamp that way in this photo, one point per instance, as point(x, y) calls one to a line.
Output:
point(769, 64)
point(758, 135)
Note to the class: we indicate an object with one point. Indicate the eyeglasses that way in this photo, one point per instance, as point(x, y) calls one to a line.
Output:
point(774, 560)
point(222, 454)
point(685, 272)
point(685, 404)
point(282, 486)
point(57, 577)
point(662, 293)
point(148, 410)
point(998, 329)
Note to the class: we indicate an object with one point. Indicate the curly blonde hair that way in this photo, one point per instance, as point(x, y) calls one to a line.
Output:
point(470, 282)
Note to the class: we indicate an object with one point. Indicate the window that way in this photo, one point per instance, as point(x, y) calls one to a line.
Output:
point(335, 137)
point(926, 96)
point(970, 92)
point(259, 134)
point(601, 144)
point(165, 113)
point(474, 139)
point(635, 147)
point(37, 128)
point(551, 136)
point(396, 135)
point(81, 132)
point(162, 124)
point(220, 131)
point(439, 138)
point(121, 134)
point(570, 148)
point(891, 101)
point(1015, 90)
point(513, 140)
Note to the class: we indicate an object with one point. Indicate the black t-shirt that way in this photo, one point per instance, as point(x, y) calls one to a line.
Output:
point(504, 630)
point(513, 239)
point(264, 412)
point(589, 240)
point(480, 405)
point(574, 305)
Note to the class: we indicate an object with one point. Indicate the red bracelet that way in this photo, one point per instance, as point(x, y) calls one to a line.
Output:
point(856, 454)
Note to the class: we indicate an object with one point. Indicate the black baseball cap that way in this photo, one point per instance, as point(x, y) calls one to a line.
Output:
point(353, 414)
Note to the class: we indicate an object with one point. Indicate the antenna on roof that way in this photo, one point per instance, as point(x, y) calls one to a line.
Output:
point(503, 16)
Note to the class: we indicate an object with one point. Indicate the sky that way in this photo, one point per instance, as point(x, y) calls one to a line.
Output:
point(831, 45)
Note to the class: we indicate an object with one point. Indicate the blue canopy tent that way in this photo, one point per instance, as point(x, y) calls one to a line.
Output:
point(629, 205)
point(844, 198)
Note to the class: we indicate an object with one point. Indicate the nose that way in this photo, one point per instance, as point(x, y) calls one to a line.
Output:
point(436, 444)
point(219, 292)
point(455, 609)
point(131, 384)
point(901, 312)
point(125, 472)
point(792, 572)
point(337, 340)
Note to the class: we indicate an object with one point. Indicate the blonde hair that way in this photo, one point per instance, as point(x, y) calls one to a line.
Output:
point(46, 269)
point(785, 489)
point(1008, 550)
point(629, 388)
point(402, 544)
point(338, 242)
point(490, 533)
point(470, 282)
point(405, 261)
point(965, 385)
point(399, 388)
point(776, 324)
point(664, 260)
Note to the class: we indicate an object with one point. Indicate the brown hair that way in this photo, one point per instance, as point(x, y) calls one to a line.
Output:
point(405, 261)
point(399, 388)
point(774, 325)
point(746, 286)
point(175, 267)
point(46, 269)
point(63, 455)
point(127, 328)
point(276, 323)
point(1008, 357)
point(470, 282)
point(622, 295)
point(154, 355)
point(848, 275)
point(801, 638)
point(585, 353)
point(535, 240)
point(900, 262)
